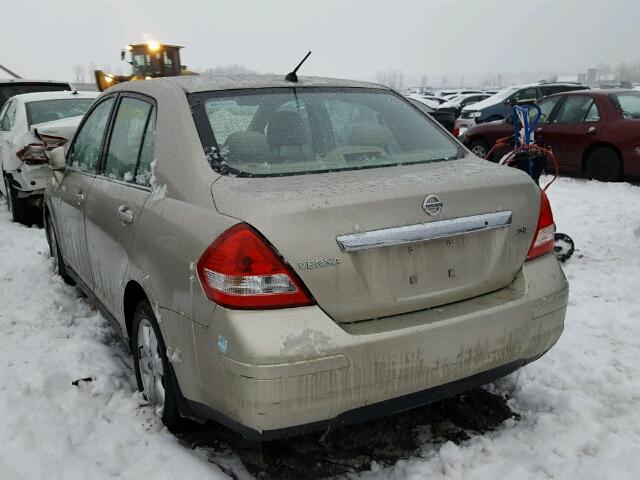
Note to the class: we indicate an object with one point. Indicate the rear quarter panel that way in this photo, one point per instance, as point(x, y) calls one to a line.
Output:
point(624, 134)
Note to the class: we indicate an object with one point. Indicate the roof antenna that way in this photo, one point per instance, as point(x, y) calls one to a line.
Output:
point(292, 76)
point(15, 75)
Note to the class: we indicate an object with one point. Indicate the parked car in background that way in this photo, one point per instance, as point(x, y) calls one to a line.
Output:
point(275, 251)
point(429, 100)
point(446, 119)
point(448, 94)
point(457, 103)
point(497, 107)
point(591, 132)
point(11, 88)
point(23, 160)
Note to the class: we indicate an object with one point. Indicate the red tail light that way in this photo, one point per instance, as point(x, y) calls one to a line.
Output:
point(32, 154)
point(50, 142)
point(456, 131)
point(543, 238)
point(241, 270)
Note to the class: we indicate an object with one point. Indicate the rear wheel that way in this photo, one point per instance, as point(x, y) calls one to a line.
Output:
point(604, 164)
point(479, 147)
point(153, 371)
point(20, 209)
point(54, 251)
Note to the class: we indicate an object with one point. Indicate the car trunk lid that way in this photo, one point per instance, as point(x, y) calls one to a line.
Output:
point(476, 243)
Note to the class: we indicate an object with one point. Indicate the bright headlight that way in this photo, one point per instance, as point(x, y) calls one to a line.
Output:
point(475, 114)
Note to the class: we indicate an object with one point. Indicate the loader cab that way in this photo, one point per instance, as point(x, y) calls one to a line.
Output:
point(154, 60)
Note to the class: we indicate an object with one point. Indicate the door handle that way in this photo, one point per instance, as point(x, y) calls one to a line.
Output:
point(79, 198)
point(125, 214)
point(592, 131)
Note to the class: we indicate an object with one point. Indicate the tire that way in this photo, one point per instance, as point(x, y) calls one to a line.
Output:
point(479, 148)
point(154, 374)
point(7, 190)
point(604, 164)
point(54, 250)
point(21, 211)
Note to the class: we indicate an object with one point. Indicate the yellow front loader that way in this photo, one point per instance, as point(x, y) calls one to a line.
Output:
point(147, 60)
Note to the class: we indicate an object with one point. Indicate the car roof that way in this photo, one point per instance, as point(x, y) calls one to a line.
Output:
point(601, 92)
point(595, 92)
point(205, 83)
point(547, 84)
point(20, 81)
point(37, 96)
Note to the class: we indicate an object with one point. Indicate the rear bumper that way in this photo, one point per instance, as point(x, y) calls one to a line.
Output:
point(281, 373)
point(361, 414)
point(31, 179)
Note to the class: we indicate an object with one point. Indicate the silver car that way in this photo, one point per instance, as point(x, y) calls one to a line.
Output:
point(284, 257)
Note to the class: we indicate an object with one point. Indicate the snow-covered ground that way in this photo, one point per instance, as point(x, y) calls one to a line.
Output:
point(579, 404)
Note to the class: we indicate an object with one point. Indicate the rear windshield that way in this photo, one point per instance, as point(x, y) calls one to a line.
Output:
point(287, 131)
point(8, 91)
point(49, 110)
point(628, 104)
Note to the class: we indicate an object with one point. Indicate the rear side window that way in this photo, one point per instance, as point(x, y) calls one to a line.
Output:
point(525, 94)
point(286, 131)
point(593, 114)
point(8, 117)
point(85, 152)
point(49, 110)
point(147, 154)
point(127, 138)
point(8, 91)
point(574, 109)
point(628, 104)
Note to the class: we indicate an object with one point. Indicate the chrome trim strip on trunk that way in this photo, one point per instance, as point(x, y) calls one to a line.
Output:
point(423, 232)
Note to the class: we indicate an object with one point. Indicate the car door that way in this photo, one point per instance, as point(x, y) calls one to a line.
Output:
point(118, 195)
point(575, 125)
point(69, 199)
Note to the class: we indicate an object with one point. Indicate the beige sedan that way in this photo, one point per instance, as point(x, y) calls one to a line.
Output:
point(284, 257)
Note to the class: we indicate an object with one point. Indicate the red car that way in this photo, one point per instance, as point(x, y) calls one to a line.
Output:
point(591, 132)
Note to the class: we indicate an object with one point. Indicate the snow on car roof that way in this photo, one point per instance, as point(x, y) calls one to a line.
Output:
point(59, 95)
point(18, 81)
point(204, 83)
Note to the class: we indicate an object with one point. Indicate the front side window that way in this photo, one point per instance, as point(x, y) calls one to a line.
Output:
point(127, 139)
point(574, 109)
point(286, 131)
point(84, 154)
point(49, 110)
point(546, 107)
point(628, 104)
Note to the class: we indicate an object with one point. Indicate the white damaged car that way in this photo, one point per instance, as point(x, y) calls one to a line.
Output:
point(30, 125)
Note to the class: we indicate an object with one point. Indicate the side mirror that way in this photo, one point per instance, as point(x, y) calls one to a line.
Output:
point(57, 160)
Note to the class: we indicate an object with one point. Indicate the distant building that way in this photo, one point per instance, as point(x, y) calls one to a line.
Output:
point(567, 78)
point(592, 76)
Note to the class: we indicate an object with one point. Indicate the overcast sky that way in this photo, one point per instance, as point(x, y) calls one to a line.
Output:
point(355, 39)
